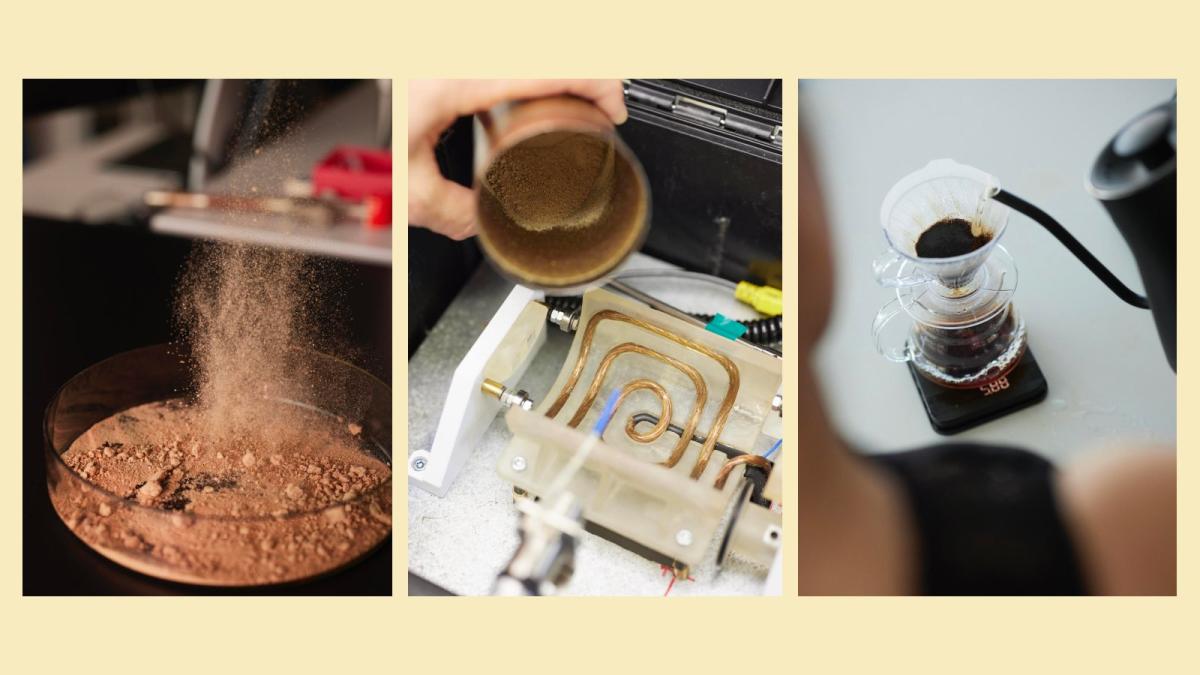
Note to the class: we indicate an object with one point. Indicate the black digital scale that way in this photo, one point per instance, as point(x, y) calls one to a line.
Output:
point(953, 410)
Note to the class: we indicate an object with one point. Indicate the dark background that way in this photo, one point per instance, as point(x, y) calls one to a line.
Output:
point(92, 291)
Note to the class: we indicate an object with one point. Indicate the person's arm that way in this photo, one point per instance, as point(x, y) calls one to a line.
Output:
point(1120, 508)
point(855, 534)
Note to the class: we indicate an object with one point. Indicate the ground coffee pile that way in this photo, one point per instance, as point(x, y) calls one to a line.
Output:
point(234, 486)
point(181, 504)
point(950, 237)
point(555, 180)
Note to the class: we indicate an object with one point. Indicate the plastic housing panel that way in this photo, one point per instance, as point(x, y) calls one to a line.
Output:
point(624, 486)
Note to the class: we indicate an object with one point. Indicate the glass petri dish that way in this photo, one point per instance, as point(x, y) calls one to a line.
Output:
point(215, 549)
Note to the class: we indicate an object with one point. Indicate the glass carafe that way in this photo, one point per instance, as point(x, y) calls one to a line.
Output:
point(952, 317)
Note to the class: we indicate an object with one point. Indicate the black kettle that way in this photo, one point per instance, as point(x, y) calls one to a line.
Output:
point(1134, 178)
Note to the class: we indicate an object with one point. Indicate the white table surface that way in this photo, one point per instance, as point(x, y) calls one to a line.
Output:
point(1109, 381)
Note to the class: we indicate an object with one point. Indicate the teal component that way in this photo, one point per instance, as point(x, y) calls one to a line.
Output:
point(725, 327)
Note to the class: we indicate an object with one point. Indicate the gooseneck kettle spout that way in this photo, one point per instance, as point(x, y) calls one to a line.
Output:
point(1134, 178)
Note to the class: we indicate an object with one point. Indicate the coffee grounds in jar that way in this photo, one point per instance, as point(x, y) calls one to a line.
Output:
point(556, 180)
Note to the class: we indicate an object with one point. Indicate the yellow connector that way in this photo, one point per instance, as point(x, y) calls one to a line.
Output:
point(765, 299)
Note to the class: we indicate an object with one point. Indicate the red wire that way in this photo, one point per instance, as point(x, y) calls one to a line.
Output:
point(671, 584)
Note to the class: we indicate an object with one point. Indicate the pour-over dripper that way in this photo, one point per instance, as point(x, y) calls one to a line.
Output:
point(958, 329)
point(943, 189)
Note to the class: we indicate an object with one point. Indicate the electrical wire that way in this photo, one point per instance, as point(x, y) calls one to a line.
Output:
point(606, 415)
point(581, 453)
point(639, 418)
point(767, 454)
point(765, 331)
point(679, 274)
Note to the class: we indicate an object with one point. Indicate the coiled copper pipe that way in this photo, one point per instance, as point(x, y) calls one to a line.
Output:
point(697, 407)
point(725, 362)
point(664, 402)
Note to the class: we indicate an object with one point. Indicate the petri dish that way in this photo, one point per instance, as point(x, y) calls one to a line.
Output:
point(188, 532)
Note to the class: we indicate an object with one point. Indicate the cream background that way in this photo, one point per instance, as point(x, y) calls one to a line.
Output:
point(550, 39)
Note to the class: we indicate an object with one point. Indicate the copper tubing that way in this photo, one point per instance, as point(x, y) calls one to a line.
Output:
point(730, 367)
point(697, 407)
point(752, 460)
point(559, 258)
point(664, 402)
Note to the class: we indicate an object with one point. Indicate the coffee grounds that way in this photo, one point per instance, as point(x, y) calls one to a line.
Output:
point(233, 487)
point(950, 237)
point(188, 476)
point(557, 180)
point(224, 512)
point(242, 311)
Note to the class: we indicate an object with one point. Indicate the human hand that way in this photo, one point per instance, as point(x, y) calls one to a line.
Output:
point(443, 205)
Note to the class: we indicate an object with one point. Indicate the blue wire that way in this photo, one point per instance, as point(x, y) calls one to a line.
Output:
point(610, 407)
point(767, 454)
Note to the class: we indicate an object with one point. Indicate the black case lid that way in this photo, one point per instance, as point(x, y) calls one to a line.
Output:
point(714, 164)
point(767, 93)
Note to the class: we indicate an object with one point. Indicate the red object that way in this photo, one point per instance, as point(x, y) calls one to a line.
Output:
point(671, 584)
point(361, 175)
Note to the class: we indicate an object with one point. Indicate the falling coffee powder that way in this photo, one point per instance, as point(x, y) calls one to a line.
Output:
point(950, 237)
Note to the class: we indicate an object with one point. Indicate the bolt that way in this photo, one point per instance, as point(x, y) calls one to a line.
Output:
point(777, 403)
point(560, 318)
point(683, 537)
point(567, 322)
point(418, 464)
point(518, 464)
point(518, 398)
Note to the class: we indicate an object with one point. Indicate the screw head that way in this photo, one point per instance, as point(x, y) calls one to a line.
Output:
point(418, 464)
point(683, 537)
point(519, 464)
